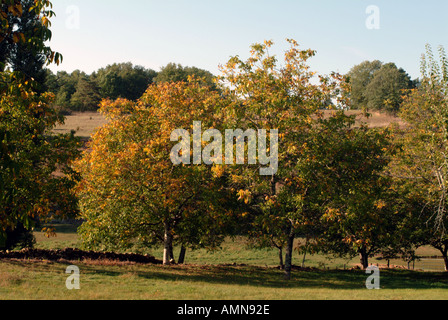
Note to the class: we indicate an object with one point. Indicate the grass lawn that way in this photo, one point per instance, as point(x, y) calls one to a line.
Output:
point(208, 276)
point(46, 280)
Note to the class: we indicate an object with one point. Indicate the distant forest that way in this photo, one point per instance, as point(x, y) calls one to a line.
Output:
point(78, 91)
point(374, 85)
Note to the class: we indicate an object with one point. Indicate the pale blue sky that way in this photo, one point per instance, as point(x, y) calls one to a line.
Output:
point(205, 33)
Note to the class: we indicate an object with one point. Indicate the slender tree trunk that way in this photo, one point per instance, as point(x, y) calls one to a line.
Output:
point(364, 257)
point(304, 254)
point(445, 257)
point(289, 251)
point(280, 258)
point(172, 260)
point(182, 253)
point(304, 259)
point(167, 245)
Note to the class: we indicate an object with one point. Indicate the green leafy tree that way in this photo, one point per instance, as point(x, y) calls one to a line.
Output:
point(123, 80)
point(388, 86)
point(86, 96)
point(352, 198)
point(29, 154)
point(422, 165)
point(22, 57)
point(377, 86)
point(175, 72)
point(360, 76)
point(64, 86)
point(26, 24)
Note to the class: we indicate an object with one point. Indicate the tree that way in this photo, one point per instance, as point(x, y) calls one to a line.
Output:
point(270, 97)
point(353, 200)
point(29, 155)
point(387, 88)
point(132, 193)
point(175, 72)
point(29, 158)
point(422, 165)
point(86, 97)
point(22, 56)
point(64, 86)
point(123, 80)
point(377, 86)
point(360, 76)
point(26, 24)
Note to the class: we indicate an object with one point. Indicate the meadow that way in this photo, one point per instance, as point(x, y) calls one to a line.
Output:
point(235, 272)
point(85, 123)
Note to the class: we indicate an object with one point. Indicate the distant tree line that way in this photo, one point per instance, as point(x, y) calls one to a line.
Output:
point(375, 85)
point(78, 91)
point(378, 86)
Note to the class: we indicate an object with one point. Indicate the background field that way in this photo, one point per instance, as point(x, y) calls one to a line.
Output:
point(85, 123)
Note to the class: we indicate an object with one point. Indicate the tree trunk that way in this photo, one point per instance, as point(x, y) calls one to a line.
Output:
point(167, 245)
point(172, 260)
point(182, 253)
point(364, 257)
point(289, 251)
point(445, 257)
point(304, 254)
point(304, 259)
point(280, 258)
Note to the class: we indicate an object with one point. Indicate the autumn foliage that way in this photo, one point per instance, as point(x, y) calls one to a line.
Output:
point(131, 191)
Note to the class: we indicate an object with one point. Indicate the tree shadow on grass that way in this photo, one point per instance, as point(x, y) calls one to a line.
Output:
point(329, 279)
point(260, 276)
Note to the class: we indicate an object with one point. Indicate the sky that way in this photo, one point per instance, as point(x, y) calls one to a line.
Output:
point(91, 34)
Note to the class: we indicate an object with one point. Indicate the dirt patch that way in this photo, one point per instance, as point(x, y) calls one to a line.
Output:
point(77, 255)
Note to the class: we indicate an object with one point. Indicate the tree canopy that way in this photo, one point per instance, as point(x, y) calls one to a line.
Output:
point(378, 87)
point(29, 154)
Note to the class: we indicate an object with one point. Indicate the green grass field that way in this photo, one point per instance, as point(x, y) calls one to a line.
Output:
point(233, 273)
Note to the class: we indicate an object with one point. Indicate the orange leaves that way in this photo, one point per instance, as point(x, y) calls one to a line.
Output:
point(18, 36)
point(245, 195)
point(50, 232)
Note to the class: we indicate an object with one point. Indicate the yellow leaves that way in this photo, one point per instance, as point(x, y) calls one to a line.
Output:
point(50, 232)
point(45, 21)
point(380, 204)
point(218, 171)
point(245, 195)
